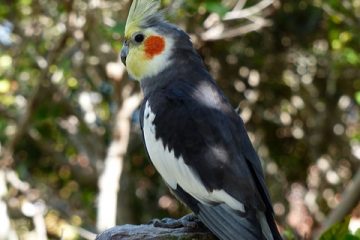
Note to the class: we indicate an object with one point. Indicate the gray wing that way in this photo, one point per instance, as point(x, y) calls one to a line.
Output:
point(199, 124)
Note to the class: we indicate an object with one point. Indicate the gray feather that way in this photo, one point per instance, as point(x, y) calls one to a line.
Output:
point(228, 224)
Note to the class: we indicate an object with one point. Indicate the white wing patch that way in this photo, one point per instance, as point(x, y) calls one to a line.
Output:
point(176, 172)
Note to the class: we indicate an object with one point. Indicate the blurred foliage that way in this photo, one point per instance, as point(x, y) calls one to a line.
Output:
point(340, 231)
point(296, 83)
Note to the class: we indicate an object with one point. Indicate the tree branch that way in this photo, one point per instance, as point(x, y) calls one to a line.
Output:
point(6, 232)
point(240, 4)
point(110, 178)
point(147, 232)
point(220, 32)
point(350, 199)
point(244, 13)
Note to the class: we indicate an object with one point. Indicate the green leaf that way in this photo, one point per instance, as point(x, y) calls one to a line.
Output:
point(351, 56)
point(357, 98)
point(338, 231)
point(289, 234)
point(5, 86)
point(4, 10)
point(216, 7)
point(357, 233)
point(25, 2)
point(351, 237)
point(119, 28)
point(5, 62)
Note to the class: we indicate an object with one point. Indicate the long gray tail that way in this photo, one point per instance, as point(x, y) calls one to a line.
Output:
point(228, 224)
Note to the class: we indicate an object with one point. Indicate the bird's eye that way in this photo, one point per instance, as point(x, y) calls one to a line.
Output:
point(139, 38)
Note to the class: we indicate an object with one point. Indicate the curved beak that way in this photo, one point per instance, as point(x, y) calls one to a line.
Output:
point(124, 53)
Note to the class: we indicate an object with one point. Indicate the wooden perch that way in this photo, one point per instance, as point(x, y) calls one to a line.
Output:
point(149, 231)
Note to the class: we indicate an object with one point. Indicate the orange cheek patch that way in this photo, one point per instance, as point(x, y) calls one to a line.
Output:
point(154, 45)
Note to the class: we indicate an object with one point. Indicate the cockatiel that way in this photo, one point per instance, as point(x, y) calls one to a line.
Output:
point(193, 136)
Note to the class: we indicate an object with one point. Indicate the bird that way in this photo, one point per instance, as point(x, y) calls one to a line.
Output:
point(193, 136)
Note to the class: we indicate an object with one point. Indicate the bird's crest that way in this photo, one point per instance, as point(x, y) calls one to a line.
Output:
point(143, 13)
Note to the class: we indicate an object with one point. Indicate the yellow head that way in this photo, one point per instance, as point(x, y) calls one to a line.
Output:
point(146, 49)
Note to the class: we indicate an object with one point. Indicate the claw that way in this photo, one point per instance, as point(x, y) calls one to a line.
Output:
point(188, 221)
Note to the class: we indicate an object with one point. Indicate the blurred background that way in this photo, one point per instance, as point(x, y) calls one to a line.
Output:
point(72, 161)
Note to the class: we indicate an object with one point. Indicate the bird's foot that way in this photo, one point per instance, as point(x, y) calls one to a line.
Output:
point(188, 221)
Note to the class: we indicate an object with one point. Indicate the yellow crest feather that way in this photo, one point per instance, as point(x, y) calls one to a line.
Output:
point(142, 13)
